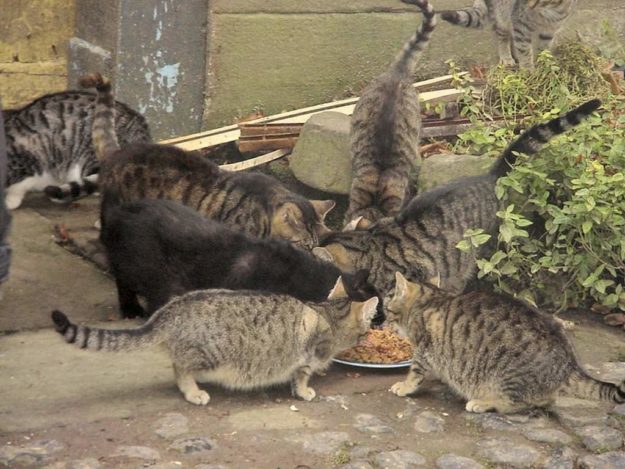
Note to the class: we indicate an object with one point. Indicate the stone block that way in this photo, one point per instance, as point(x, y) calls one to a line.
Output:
point(20, 83)
point(321, 157)
point(445, 167)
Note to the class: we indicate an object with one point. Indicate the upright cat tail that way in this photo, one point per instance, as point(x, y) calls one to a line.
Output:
point(584, 386)
point(406, 60)
point(533, 139)
point(474, 17)
point(66, 193)
point(103, 129)
point(107, 340)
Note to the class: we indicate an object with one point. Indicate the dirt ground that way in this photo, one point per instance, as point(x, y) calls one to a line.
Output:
point(62, 407)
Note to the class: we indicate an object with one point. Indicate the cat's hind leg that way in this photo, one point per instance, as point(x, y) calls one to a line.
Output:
point(362, 193)
point(411, 384)
point(393, 191)
point(188, 386)
point(504, 46)
point(128, 303)
point(299, 384)
point(500, 405)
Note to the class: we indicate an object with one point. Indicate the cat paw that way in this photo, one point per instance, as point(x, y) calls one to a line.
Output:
point(507, 62)
point(478, 407)
point(402, 388)
point(197, 397)
point(307, 394)
point(12, 201)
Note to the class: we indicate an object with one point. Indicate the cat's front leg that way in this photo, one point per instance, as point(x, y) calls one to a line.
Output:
point(411, 384)
point(299, 384)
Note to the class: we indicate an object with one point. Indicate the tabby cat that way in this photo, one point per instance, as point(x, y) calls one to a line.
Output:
point(254, 203)
point(420, 241)
point(493, 350)
point(160, 248)
point(384, 137)
point(49, 143)
point(242, 340)
point(517, 23)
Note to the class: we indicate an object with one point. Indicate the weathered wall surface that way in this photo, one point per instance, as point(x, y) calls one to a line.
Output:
point(282, 54)
point(202, 63)
point(33, 39)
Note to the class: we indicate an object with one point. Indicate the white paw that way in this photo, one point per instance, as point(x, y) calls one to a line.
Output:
point(507, 62)
point(197, 397)
point(12, 201)
point(402, 388)
point(477, 407)
point(566, 325)
point(308, 394)
point(97, 225)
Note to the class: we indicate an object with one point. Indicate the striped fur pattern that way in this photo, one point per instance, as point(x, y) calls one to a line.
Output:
point(519, 24)
point(254, 203)
point(493, 350)
point(420, 241)
point(49, 144)
point(241, 340)
point(385, 128)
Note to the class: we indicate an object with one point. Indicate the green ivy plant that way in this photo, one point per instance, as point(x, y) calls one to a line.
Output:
point(561, 241)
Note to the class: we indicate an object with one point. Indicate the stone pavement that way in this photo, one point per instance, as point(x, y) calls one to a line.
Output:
point(61, 407)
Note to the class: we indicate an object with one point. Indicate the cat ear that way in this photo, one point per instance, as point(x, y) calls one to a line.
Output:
point(401, 285)
point(358, 223)
point(322, 207)
point(338, 291)
point(369, 310)
point(323, 253)
point(436, 280)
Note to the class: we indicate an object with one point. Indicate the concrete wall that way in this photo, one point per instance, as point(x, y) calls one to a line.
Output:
point(33, 56)
point(278, 55)
point(194, 64)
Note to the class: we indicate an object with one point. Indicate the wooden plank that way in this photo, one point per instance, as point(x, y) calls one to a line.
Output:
point(253, 162)
point(231, 133)
point(446, 95)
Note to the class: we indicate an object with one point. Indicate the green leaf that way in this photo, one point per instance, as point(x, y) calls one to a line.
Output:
point(586, 226)
point(464, 245)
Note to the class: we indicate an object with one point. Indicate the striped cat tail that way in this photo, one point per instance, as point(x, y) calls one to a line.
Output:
point(103, 129)
point(406, 60)
point(533, 139)
point(107, 340)
point(66, 193)
point(584, 386)
point(474, 17)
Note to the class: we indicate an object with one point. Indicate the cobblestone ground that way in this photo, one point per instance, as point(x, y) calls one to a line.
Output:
point(65, 408)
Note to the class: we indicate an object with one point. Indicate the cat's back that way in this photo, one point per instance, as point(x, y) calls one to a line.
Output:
point(226, 314)
point(74, 110)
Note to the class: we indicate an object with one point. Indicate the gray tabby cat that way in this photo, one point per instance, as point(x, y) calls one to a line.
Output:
point(385, 128)
point(517, 23)
point(493, 350)
point(242, 339)
point(49, 143)
point(420, 241)
point(251, 202)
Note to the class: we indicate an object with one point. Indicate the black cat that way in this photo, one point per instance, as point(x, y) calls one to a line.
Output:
point(158, 249)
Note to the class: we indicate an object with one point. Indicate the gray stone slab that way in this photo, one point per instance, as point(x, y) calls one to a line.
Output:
point(44, 276)
point(321, 158)
point(507, 452)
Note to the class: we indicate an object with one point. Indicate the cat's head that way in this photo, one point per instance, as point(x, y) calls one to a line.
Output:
point(350, 319)
point(399, 304)
point(301, 222)
point(336, 247)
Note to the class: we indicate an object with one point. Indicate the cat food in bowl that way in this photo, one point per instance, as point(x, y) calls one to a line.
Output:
point(381, 347)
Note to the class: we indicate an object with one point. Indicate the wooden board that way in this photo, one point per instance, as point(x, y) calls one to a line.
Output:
point(230, 134)
point(253, 162)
